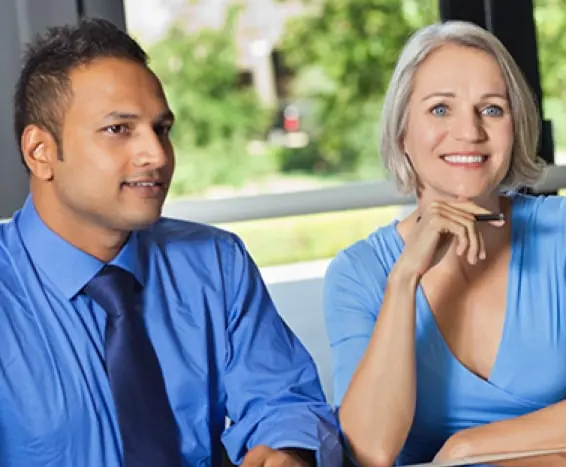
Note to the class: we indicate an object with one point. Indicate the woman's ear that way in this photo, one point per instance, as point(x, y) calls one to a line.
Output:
point(409, 161)
point(39, 151)
point(403, 144)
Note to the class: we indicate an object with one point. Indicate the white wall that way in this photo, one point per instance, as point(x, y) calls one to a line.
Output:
point(20, 21)
point(296, 290)
point(13, 178)
point(299, 301)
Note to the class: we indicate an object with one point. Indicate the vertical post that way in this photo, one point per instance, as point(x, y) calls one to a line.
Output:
point(20, 22)
point(112, 10)
point(512, 21)
point(13, 177)
point(466, 10)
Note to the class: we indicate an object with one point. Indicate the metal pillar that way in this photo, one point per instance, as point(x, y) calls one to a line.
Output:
point(20, 22)
point(512, 21)
point(467, 10)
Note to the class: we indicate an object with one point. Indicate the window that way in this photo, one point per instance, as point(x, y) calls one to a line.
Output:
point(283, 96)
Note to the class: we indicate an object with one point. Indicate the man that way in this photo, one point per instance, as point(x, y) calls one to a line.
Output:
point(129, 339)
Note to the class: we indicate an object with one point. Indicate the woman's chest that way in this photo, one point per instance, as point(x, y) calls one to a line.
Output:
point(528, 362)
point(469, 312)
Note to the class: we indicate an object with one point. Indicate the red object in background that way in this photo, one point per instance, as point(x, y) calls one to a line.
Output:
point(291, 121)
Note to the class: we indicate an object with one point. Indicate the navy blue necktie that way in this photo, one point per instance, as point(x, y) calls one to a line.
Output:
point(147, 426)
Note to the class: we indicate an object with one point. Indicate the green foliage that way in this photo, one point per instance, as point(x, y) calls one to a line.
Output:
point(551, 36)
point(217, 118)
point(342, 53)
point(352, 46)
point(554, 110)
point(308, 238)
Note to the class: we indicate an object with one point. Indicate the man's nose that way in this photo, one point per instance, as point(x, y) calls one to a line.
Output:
point(153, 151)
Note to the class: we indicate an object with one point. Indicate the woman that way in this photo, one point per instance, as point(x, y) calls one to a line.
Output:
point(449, 334)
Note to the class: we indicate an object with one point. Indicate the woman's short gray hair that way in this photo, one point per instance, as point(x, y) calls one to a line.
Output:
point(525, 168)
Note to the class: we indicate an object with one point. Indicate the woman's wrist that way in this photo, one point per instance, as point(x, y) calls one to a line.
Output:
point(403, 276)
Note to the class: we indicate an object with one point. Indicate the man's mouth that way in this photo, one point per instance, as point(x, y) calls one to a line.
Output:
point(143, 184)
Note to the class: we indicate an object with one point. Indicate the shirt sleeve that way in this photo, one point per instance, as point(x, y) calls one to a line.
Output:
point(274, 396)
point(353, 292)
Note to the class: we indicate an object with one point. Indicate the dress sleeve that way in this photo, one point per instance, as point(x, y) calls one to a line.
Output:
point(353, 292)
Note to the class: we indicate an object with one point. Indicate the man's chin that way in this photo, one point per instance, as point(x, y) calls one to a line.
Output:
point(141, 222)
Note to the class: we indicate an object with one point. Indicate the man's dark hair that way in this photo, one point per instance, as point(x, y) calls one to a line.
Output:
point(43, 88)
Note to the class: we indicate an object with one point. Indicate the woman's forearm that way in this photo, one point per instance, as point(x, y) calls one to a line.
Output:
point(378, 408)
point(542, 429)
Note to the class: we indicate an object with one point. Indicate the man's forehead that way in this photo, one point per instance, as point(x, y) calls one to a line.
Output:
point(108, 84)
point(115, 85)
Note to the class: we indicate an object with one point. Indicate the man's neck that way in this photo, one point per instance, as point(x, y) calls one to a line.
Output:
point(99, 242)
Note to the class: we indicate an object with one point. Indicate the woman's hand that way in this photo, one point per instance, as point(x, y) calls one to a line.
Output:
point(440, 226)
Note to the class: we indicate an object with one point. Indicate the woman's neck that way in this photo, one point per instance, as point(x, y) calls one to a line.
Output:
point(494, 203)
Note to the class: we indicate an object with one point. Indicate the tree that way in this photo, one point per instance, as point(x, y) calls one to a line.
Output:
point(351, 47)
point(550, 18)
point(216, 116)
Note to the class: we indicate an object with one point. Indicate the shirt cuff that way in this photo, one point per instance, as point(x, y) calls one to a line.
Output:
point(303, 432)
point(312, 427)
point(327, 454)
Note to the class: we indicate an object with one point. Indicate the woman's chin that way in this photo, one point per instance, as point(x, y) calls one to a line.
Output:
point(472, 192)
point(460, 193)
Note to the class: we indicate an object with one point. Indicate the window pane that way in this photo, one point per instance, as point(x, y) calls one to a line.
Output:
point(550, 19)
point(308, 238)
point(274, 95)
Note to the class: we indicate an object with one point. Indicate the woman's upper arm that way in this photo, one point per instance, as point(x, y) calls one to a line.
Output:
point(353, 291)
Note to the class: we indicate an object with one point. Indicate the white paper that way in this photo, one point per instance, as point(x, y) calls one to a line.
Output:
point(491, 458)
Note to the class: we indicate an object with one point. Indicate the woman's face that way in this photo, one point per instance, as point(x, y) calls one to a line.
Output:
point(459, 133)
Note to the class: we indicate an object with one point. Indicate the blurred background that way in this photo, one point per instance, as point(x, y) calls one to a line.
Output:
point(276, 96)
point(277, 105)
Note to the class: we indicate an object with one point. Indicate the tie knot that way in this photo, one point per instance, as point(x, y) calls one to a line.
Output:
point(114, 289)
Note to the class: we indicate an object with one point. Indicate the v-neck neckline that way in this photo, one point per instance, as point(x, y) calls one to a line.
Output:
point(510, 299)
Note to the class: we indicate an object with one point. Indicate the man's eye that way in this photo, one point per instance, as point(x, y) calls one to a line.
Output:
point(116, 129)
point(163, 130)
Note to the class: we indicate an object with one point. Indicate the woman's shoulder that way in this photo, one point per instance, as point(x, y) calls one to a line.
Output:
point(539, 211)
point(538, 203)
point(375, 254)
point(356, 278)
point(538, 226)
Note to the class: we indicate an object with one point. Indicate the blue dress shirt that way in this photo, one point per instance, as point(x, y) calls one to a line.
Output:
point(224, 351)
point(529, 372)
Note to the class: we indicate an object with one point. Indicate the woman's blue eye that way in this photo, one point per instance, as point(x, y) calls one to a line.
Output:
point(439, 110)
point(492, 111)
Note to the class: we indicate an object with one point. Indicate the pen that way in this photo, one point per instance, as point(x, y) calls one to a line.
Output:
point(490, 217)
point(483, 217)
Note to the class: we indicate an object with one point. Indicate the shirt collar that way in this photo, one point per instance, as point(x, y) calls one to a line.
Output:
point(67, 267)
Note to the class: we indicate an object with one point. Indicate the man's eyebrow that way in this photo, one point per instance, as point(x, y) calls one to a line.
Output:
point(117, 115)
point(166, 115)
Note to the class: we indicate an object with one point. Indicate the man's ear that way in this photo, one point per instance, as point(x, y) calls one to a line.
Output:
point(39, 151)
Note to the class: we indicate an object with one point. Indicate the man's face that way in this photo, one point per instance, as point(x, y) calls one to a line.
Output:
point(117, 157)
